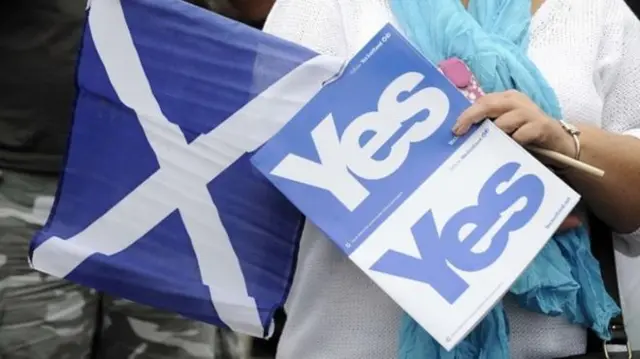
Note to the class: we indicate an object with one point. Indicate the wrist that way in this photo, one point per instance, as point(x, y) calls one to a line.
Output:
point(570, 135)
point(567, 143)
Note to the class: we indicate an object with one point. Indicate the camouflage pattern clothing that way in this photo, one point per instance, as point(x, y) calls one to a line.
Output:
point(46, 318)
point(40, 317)
point(134, 331)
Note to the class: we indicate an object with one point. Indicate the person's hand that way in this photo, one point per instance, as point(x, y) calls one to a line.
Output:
point(515, 114)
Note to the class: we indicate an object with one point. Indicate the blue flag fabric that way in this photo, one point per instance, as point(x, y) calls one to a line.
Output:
point(158, 202)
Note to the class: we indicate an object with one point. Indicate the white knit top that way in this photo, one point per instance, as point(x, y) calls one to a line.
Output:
point(589, 51)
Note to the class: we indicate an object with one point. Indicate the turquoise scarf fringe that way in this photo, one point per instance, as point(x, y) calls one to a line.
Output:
point(491, 37)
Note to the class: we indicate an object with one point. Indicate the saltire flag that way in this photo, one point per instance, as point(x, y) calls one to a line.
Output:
point(158, 202)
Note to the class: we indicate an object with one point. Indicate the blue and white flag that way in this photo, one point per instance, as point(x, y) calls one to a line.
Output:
point(159, 203)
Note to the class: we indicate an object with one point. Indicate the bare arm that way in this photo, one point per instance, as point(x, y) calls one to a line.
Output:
point(615, 198)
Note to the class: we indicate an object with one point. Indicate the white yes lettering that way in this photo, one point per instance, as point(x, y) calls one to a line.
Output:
point(342, 156)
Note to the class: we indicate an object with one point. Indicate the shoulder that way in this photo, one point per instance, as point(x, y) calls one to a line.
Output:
point(336, 27)
point(604, 29)
point(316, 24)
point(612, 25)
point(608, 13)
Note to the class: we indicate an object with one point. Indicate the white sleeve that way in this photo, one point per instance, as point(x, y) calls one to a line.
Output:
point(619, 63)
point(619, 66)
point(316, 24)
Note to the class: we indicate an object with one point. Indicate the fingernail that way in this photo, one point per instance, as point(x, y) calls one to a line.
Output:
point(456, 129)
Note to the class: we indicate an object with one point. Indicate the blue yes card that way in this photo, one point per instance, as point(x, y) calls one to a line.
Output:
point(431, 218)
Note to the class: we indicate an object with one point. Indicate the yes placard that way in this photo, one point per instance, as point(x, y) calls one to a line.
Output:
point(443, 224)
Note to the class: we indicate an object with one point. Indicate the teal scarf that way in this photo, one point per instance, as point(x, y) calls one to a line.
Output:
point(491, 37)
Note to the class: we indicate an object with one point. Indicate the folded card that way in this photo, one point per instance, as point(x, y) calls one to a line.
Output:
point(443, 224)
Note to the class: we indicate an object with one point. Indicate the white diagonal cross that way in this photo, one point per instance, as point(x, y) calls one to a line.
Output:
point(185, 170)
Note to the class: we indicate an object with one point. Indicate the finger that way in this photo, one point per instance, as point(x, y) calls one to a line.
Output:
point(511, 121)
point(571, 222)
point(488, 106)
point(529, 133)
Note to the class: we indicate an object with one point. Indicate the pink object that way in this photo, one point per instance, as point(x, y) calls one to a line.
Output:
point(460, 75)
